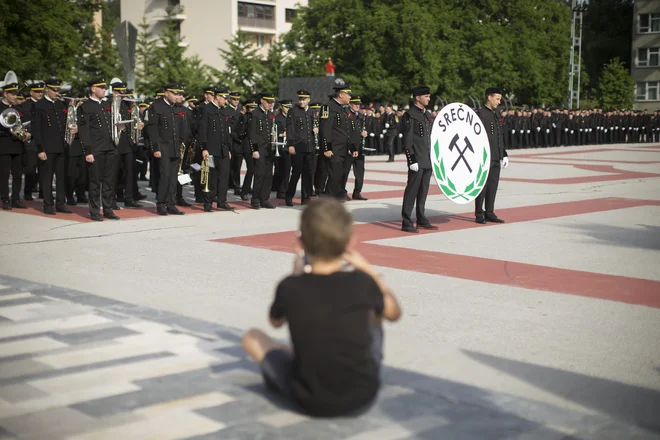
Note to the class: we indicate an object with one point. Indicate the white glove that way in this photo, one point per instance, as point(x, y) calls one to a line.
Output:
point(572, 131)
point(606, 130)
point(387, 125)
point(382, 137)
point(414, 167)
point(553, 125)
point(521, 131)
point(538, 128)
point(505, 162)
point(371, 135)
point(547, 130)
point(384, 131)
point(565, 129)
point(400, 135)
point(513, 131)
point(527, 131)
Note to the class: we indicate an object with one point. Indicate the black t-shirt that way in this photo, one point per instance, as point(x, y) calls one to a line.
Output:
point(334, 369)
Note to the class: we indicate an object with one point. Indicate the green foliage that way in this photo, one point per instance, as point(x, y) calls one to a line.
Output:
point(164, 61)
point(616, 86)
point(243, 65)
point(102, 60)
point(456, 47)
point(43, 38)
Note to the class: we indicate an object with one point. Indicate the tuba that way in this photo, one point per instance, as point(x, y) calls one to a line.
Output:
point(115, 120)
point(136, 132)
point(10, 118)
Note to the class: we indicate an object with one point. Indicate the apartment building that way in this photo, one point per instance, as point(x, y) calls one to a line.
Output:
point(205, 25)
point(646, 54)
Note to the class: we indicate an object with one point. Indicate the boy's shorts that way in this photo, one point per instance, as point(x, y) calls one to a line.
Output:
point(277, 365)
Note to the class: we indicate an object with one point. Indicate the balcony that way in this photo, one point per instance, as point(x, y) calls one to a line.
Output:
point(264, 23)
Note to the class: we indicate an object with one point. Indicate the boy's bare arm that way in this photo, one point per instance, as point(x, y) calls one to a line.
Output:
point(391, 308)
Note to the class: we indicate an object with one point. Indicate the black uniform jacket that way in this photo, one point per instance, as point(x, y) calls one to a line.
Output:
point(163, 128)
point(94, 126)
point(49, 125)
point(334, 129)
point(417, 125)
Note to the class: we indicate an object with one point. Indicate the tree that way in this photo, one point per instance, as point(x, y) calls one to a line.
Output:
point(44, 38)
point(243, 65)
point(616, 86)
point(164, 60)
point(101, 60)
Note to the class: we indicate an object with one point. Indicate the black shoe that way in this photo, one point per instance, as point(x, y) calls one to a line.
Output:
point(71, 202)
point(225, 207)
point(49, 210)
point(6, 205)
point(288, 201)
point(411, 229)
point(110, 215)
point(358, 196)
point(494, 219)
point(237, 192)
point(63, 209)
point(208, 207)
point(254, 205)
point(82, 199)
point(267, 205)
point(480, 220)
point(172, 210)
point(115, 206)
point(140, 196)
point(346, 197)
point(429, 226)
point(182, 202)
point(244, 197)
point(18, 204)
point(304, 202)
point(28, 197)
point(132, 204)
point(96, 217)
point(161, 210)
point(281, 196)
point(120, 198)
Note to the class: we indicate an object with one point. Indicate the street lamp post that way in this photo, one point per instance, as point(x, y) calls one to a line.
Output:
point(578, 8)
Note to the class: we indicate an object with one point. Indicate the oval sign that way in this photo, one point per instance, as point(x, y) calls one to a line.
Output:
point(460, 153)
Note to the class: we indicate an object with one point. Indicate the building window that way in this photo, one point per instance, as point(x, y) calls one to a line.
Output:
point(648, 57)
point(251, 14)
point(649, 23)
point(648, 91)
point(289, 15)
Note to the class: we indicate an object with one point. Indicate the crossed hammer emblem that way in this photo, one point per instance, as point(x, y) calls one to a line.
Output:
point(461, 153)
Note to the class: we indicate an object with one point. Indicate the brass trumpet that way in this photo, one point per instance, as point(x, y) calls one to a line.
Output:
point(204, 176)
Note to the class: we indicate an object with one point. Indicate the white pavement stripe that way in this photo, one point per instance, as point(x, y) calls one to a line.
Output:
point(8, 330)
point(14, 296)
point(32, 345)
point(190, 403)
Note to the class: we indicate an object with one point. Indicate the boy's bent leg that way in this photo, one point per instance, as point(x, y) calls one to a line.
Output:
point(274, 359)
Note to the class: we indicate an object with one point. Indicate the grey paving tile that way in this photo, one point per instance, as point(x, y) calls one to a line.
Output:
point(22, 337)
point(614, 430)
point(44, 371)
point(48, 423)
point(338, 428)
point(94, 335)
point(18, 392)
point(154, 391)
point(18, 368)
point(241, 411)
point(235, 350)
point(247, 431)
point(92, 300)
point(483, 424)
point(21, 301)
point(6, 435)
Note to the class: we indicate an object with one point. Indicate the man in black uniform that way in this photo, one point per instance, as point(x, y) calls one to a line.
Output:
point(417, 125)
point(11, 153)
point(94, 120)
point(260, 125)
point(233, 106)
point(48, 132)
point(76, 172)
point(390, 130)
point(163, 129)
point(358, 135)
point(497, 153)
point(215, 137)
point(301, 144)
point(283, 162)
point(250, 105)
point(334, 138)
point(30, 160)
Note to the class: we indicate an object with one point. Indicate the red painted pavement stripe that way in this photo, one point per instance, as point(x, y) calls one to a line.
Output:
point(610, 287)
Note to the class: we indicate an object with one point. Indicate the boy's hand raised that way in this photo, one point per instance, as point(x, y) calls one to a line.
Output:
point(359, 262)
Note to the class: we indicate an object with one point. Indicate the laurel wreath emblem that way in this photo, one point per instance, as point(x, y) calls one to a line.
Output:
point(448, 187)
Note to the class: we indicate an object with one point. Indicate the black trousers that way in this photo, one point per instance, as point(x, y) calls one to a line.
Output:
point(263, 177)
point(76, 176)
point(302, 164)
point(417, 189)
point(335, 175)
point(282, 174)
point(54, 165)
point(102, 181)
point(218, 181)
point(320, 174)
point(168, 168)
point(489, 191)
point(124, 176)
point(357, 163)
point(249, 175)
point(235, 170)
point(30, 163)
point(11, 163)
point(390, 139)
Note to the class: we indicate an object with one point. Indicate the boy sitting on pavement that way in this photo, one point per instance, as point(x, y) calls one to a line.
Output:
point(334, 319)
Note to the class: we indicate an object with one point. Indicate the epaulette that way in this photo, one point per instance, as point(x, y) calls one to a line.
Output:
point(325, 112)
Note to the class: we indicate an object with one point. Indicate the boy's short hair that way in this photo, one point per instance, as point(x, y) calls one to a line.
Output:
point(325, 228)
